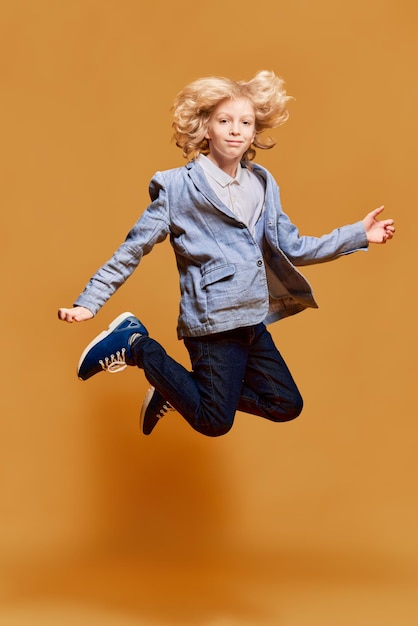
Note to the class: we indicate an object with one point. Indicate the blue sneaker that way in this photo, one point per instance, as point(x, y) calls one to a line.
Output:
point(153, 409)
point(111, 350)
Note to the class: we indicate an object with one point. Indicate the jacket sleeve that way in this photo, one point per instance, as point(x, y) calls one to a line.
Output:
point(307, 250)
point(151, 228)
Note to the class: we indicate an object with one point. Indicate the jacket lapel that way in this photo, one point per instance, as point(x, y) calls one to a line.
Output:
point(198, 177)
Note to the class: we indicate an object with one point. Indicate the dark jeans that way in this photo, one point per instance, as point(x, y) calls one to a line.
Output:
point(234, 370)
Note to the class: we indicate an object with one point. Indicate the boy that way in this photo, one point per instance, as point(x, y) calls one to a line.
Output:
point(236, 252)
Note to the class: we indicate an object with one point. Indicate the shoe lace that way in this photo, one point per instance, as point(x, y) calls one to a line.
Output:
point(115, 362)
point(164, 409)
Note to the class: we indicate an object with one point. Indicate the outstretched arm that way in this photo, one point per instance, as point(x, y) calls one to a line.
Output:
point(378, 231)
point(75, 314)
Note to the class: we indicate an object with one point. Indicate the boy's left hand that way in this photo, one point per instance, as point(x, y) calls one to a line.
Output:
point(378, 231)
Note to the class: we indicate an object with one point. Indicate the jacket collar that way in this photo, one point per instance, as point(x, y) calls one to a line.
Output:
point(198, 177)
point(222, 178)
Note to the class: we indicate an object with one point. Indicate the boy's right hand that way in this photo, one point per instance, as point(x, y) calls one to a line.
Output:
point(76, 314)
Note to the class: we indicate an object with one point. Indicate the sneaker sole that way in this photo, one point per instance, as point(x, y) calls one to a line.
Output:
point(102, 335)
point(147, 400)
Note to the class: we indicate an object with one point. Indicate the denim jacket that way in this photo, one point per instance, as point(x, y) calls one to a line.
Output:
point(227, 280)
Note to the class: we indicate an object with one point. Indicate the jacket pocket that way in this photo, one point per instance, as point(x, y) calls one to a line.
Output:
point(216, 274)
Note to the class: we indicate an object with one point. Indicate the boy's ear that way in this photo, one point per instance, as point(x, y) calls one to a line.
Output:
point(207, 135)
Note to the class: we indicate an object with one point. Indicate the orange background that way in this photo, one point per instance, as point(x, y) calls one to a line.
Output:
point(308, 523)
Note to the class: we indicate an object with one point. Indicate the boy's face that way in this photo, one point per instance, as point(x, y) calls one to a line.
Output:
point(231, 130)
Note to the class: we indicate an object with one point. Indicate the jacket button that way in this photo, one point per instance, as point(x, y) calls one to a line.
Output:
point(259, 263)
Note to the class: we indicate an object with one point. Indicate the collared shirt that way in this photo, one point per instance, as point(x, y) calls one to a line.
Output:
point(243, 195)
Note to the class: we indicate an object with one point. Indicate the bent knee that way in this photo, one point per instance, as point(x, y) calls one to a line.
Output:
point(296, 409)
point(213, 430)
point(294, 412)
point(218, 431)
point(289, 411)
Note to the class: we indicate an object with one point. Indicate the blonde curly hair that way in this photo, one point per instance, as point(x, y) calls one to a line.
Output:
point(194, 104)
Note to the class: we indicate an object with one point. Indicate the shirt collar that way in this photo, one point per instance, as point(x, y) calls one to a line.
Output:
point(222, 178)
